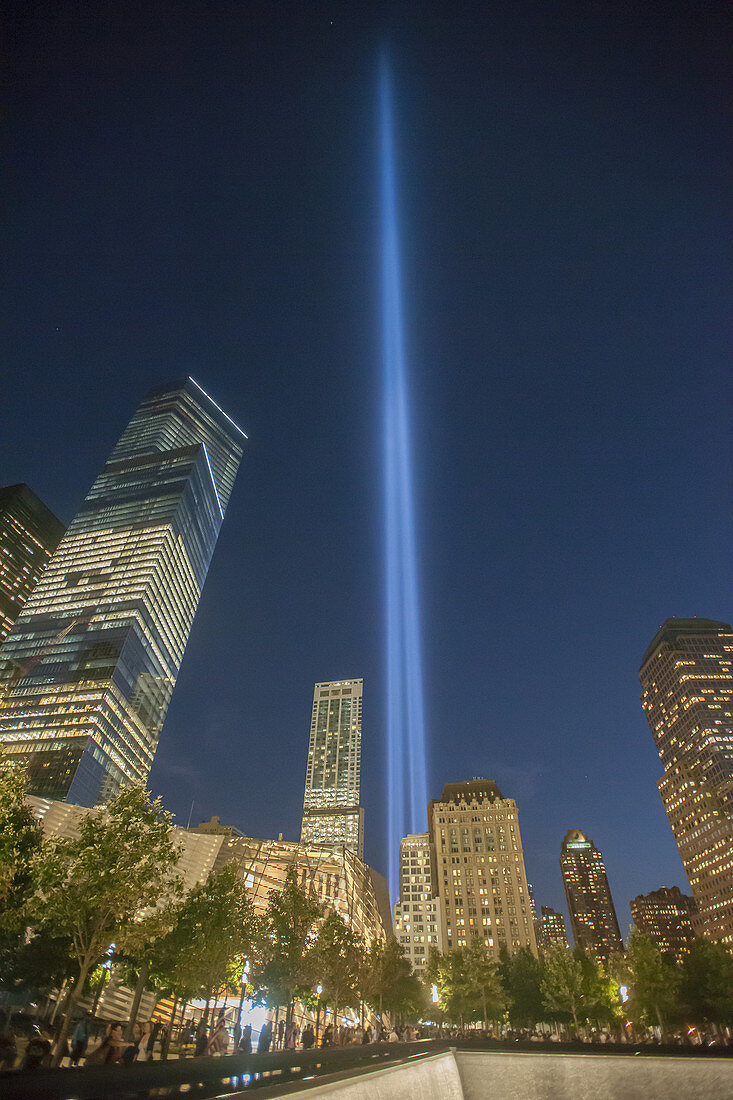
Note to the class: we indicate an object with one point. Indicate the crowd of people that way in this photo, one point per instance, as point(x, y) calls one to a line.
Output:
point(151, 1040)
point(89, 1046)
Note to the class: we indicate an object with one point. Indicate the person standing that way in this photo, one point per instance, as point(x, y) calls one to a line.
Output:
point(80, 1040)
point(308, 1037)
point(110, 1049)
point(38, 1051)
point(280, 1032)
point(263, 1044)
point(245, 1043)
point(129, 1054)
point(145, 1046)
point(219, 1041)
point(201, 1039)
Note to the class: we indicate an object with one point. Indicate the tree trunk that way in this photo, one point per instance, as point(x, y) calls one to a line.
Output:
point(139, 990)
point(61, 998)
point(336, 1037)
point(73, 997)
point(166, 1042)
point(661, 1023)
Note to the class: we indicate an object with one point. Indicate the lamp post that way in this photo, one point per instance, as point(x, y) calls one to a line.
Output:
point(319, 990)
point(245, 976)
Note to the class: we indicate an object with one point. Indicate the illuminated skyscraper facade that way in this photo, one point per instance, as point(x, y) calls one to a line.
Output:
point(550, 929)
point(331, 811)
point(87, 672)
point(29, 534)
point(417, 923)
point(592, 913)
point(687, 695)
point(667, 915)
point(478, 867)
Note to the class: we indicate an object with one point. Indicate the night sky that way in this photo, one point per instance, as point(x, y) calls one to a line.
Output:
point(193, 190)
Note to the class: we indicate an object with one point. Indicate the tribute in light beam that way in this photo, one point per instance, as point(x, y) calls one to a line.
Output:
point(406, 773)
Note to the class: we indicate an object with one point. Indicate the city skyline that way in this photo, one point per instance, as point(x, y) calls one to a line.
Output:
point(560, 192)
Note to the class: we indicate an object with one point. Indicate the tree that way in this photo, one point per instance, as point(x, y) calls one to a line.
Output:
point(96, 887)
point(483, 988)
point(335, 957)
point(521, 976)
point(389, 984)
point(284, 968)
point(468, 983)
point(577, 984)
point(20, 839)
point(653, 982)
point(563, 982)
point(706, 982)
point(213, 933)
point(600, 990)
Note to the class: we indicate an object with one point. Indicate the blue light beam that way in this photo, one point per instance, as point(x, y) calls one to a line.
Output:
point(406, 767)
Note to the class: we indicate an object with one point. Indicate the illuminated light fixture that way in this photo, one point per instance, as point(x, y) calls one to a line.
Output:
point(213, 402)
point(406, 768)
point(211, 475)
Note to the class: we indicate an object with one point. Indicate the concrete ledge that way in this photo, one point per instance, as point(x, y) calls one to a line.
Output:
point(424, 1077)
point(590, 1077)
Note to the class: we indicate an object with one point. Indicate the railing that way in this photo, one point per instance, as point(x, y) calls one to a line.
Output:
point(264, 1074)
point(202, 1077)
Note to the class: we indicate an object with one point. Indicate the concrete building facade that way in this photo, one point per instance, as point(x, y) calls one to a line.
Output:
point(417, 919)
point(550, 929)
point(478, 867)
point(668, 916)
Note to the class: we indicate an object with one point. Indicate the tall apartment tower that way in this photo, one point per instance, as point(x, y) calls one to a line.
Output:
point(592, 913)
point(87, 672)
point(550, 929)
point(29, 534)
point(667, 915)
point(478, 867)
point(687, 695)
point(331, 811)
point(417, 923)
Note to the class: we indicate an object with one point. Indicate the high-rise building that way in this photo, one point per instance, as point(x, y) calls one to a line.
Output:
point(667, 916)
point(417, 924)
point(687, 694)
point(592, 913)
point(87, 672)
point(331, 811)
point(550, 929)
point(29, 534)
point(478, 867)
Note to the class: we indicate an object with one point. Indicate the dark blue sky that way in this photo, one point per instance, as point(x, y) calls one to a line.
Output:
point(193, 190)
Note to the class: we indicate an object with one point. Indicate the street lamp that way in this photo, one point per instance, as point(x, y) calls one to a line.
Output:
point(319, 990)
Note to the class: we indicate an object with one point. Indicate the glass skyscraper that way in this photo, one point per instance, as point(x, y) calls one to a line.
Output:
point(87, 672)
point(331, 811)
point(687, 695)
point(29, 534)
